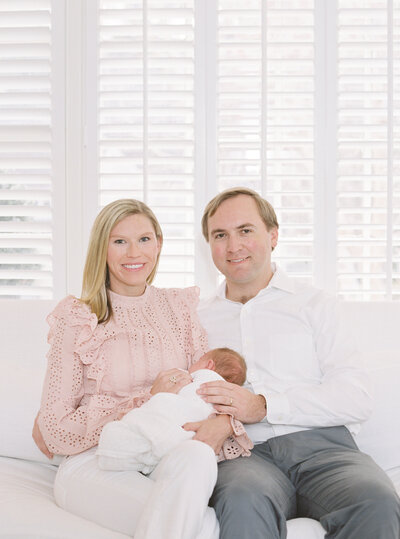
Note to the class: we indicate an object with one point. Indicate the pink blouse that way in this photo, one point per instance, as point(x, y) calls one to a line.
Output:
point(97, 372)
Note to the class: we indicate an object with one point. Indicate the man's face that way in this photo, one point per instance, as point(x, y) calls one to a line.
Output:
point(240, 243)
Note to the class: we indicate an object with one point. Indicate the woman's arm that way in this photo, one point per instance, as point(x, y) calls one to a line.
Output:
point(72, 411)
point(162, 383)
point(64, 418)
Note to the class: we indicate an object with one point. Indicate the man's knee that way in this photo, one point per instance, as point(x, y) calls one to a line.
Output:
point(373, 515)
point(251, 483)
point(236, 499)
point(251, 501)
point(383, 512)
point(245, 512)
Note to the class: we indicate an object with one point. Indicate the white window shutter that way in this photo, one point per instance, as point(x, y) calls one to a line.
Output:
point(368, 145)
point(186, 93)
point(145, 129)
point(265, 121)
point(27, 135)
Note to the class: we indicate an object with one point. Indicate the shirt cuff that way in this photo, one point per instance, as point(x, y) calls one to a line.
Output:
point(238, 444)
point(278, 409)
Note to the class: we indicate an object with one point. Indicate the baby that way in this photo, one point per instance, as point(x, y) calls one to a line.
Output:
point(144, 435)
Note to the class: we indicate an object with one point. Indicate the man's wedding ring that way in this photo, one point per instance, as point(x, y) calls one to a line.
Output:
point(172, 379)
point(230, 404)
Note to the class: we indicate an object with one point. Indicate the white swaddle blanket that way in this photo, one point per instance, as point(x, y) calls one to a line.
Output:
point(144, 435)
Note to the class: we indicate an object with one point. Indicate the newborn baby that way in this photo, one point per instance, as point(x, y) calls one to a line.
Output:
point(145, 434)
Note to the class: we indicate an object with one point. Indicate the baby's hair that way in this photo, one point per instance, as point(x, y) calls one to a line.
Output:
point(230, 365)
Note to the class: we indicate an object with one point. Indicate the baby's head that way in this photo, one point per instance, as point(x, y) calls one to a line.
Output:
point(226, 362)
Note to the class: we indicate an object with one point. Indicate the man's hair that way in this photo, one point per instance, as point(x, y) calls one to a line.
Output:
point(230, 365)
point(265, 209)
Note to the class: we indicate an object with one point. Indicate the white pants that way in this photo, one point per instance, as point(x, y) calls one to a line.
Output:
point(171, 503)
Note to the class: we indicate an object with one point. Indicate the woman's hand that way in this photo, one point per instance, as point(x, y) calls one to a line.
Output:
point(38, 439)
point(212, 431)
point(171, 381)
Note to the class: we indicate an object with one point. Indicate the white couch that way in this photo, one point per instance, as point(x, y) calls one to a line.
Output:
point(27, 508)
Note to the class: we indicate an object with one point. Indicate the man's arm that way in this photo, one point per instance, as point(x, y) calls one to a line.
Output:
point(342, 394)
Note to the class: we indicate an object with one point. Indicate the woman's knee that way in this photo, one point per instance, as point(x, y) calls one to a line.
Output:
point(193, 460)
point(193, 452)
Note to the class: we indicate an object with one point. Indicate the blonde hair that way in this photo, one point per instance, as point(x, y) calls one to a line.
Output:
point(265, 209)
point(95, 282)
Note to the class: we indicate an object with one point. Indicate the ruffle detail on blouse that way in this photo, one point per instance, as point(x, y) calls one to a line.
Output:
point(87, 342)
point(75, 313)
point(187, 299)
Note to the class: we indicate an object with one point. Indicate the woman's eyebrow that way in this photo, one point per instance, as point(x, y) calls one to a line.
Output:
point(123, 236)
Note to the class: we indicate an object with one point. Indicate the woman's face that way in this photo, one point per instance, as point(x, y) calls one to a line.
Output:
point(132, 253)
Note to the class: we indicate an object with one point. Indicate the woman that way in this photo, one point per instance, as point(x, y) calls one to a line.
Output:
point(110, 351)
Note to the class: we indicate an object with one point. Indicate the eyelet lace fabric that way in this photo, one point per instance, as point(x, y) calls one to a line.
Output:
point(98, 372)
point(239, 444)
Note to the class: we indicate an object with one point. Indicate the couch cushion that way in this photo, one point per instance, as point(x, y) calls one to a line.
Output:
point(23, 351)
point(27, 507)
point(304, 528)
point(380, 435)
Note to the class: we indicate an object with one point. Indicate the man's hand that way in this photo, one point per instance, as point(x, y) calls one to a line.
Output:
point(212, 431)
point(232, 399)
point(38, 439)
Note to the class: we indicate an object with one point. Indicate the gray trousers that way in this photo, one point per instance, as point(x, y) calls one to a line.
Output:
point(318, 473)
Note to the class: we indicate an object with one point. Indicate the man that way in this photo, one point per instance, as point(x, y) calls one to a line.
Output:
point(304, 397)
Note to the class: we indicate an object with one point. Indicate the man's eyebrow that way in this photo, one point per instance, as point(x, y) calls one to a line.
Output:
point(246, 225)
point(240, 227)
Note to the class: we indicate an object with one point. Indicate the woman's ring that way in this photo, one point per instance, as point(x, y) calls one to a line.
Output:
point(172, 379)
point(230, 404)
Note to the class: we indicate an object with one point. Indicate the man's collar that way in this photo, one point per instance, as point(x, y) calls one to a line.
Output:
point(279, 280)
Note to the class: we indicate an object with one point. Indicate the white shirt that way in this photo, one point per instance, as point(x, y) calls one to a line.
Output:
point(298, 355)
